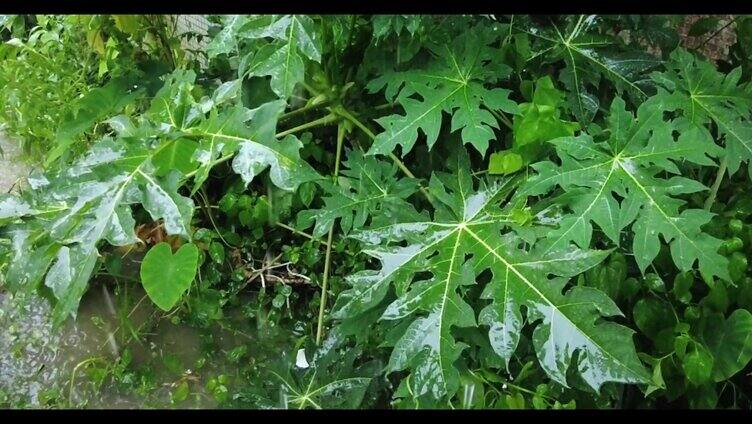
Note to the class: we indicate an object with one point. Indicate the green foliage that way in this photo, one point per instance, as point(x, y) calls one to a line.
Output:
point(703, 95)
point(66, 74)
point(611, 270)
point(368, 188)
point(469, 223)
point(539, 121)
point(454, 82)
point(627, 163)
point(166, 276)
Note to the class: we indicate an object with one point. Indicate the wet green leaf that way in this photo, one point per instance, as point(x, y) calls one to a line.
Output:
point(453, 82)
point(627, 164)
point(166, 277)
point(465, 238)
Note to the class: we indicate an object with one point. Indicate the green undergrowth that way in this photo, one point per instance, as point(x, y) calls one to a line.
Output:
point(393, 211)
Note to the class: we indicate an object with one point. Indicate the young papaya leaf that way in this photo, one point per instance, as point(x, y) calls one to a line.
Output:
point(505, 162)
point(368, 187)
point(167, 276)
point(538, 121)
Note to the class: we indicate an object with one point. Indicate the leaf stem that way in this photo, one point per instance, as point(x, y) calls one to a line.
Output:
point(327, 260)
point(503, 118)
point(401, 165)
point(307, 108)
point(384, 106)
point(300, 233)
point(328, 119)
point(717, 183)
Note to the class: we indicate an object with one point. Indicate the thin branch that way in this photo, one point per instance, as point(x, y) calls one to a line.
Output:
point(307, 108)
point(328, 119)
point(300, 233)
point(503, 118)
point(328, 258)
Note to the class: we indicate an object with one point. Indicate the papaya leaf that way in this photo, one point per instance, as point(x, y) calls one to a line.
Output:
point(467, 237)
point(589, 55)
point(628, 164)
point(367, 188)
point(704, 95)
point(455, 81)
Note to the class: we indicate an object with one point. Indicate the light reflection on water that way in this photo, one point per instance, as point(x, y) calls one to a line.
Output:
point(35, 358)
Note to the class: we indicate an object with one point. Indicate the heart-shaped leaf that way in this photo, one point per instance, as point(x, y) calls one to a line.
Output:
point(166, 276)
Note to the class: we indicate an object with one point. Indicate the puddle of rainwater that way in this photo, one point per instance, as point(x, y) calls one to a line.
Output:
point(37, 361)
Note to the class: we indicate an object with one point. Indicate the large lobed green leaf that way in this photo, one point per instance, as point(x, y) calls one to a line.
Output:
point(467, 237)
point(703, 95)
point(456, 81)
point(630, 165)
point(56, 229)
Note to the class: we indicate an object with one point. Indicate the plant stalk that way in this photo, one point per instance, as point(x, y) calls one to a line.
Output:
point(328, 119)
point(503, 118)
point(327, 260)
point(401, 165)
point(717, 183)
point(300, 233)
point(304, 109)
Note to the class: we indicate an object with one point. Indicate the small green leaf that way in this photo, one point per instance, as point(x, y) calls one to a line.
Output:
point(506, 162)
point(698, 366)
point(181, 392)
point(165, 276)
point(217, 252)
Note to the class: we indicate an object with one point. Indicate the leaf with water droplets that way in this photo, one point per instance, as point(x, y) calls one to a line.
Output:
point(430, 265)
point(629, 164)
